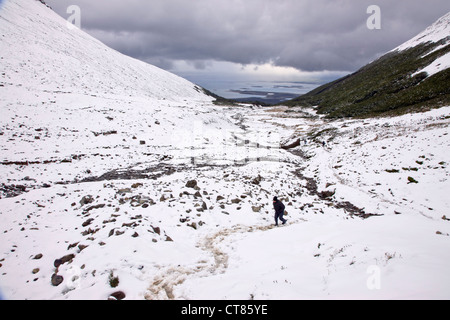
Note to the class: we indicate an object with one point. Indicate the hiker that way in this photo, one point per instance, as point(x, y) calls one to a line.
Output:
point(279, 211)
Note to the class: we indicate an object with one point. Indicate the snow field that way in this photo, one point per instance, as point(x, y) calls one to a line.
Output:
point(222, 244)
point(120, 177)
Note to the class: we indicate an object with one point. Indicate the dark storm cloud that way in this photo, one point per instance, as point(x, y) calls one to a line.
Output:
point(307, 35)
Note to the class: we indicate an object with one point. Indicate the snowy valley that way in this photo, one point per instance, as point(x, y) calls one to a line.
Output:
point(122, 181)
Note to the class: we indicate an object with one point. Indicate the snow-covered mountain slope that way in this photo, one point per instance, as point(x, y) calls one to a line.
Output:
point(410, 78)
point(65, 96)
point(40, 51)
point(438, 32)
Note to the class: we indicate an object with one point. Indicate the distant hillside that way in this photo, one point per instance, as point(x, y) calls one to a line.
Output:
point(412, 77)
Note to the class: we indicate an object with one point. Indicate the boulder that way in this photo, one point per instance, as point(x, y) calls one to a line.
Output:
point(118, 295)
point(86, 200)
point(38, 256)
point(56, 280)
point(191, 184)
point(66, 258)
point(256, 209)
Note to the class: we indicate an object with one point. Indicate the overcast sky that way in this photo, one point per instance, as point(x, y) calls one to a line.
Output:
point(295, 39)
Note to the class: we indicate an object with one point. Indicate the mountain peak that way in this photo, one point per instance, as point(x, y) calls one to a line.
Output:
point(438, 31)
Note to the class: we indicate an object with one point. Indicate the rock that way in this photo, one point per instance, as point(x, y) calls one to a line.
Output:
point(56, 280)
point(66, 258)
point(291, 145)
point(412, 180)
point(324, 195)
point(57, 263)
point(256, 209)
point(156, 230)
point(118, 295)
point(236, 200)
point(87, 222)
point(124, 190)
point(98, 206)
point(142, 142)
point(38, 256)
point(109, 221)
point(257, 180)
point(86, 200)
point(219, 198)
point(169, 239)
point(73, 245)
point(191, 184)
point(89, 231)
point(193, 225)
point(130, 225)
point(81, 247)
point(135, 235)
point(35, 270)
point(143, 201)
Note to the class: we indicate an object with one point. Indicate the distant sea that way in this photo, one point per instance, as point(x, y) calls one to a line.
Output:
point(269, 92)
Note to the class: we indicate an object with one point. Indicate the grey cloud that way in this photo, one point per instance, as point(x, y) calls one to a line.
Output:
point(307, 35)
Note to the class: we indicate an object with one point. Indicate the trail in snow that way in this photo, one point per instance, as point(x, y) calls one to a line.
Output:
point(163, 284)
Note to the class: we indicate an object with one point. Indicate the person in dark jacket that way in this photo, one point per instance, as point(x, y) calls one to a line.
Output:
point(279, 211)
